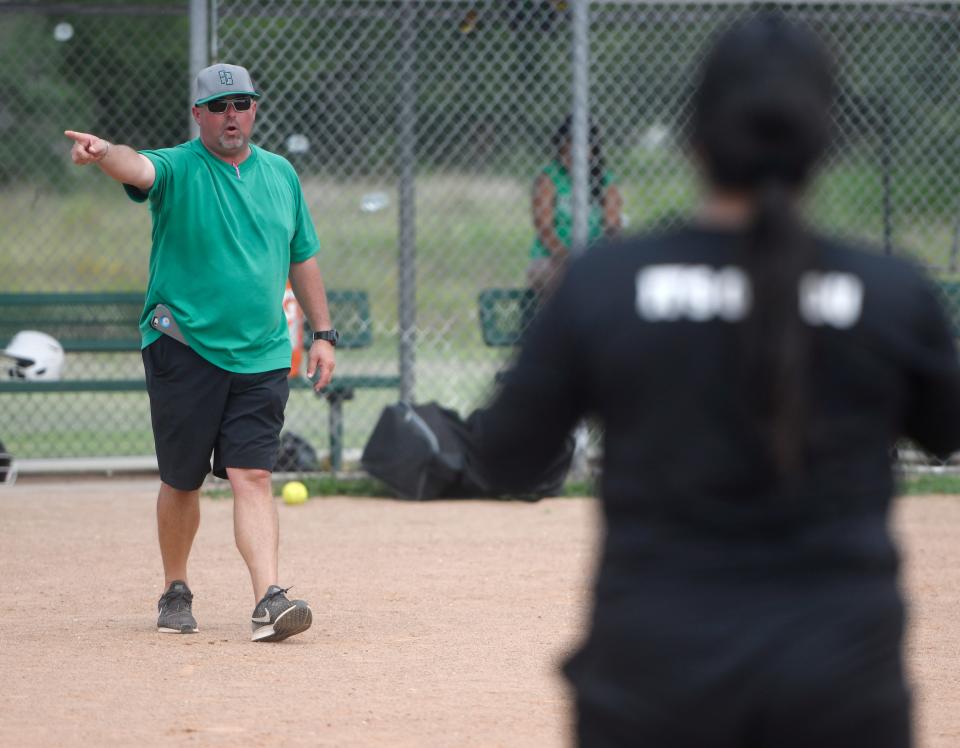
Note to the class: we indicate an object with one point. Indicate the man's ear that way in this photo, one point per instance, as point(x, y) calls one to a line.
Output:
point(196, 114)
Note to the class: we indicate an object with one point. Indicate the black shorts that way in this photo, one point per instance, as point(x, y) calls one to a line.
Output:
point(199, 409)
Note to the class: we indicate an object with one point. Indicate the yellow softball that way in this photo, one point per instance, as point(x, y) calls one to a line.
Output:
point(294, 492)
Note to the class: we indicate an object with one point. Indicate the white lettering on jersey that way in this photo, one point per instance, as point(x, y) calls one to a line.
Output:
point(834, 299)
point(699, 293)
point(666, 293)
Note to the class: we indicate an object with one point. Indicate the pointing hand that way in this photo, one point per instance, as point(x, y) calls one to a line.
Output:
point(87, 149)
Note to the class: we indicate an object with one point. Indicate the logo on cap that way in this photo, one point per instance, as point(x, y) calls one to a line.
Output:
point(226, 78)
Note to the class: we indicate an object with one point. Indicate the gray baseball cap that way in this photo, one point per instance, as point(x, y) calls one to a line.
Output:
point(222, 80)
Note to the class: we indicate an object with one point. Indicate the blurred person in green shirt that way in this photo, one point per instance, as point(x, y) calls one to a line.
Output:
point(553, 208)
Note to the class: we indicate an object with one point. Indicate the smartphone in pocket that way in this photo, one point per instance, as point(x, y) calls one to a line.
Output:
point(163, 321)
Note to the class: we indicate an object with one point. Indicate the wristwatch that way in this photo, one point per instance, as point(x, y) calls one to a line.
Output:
point(331, 336)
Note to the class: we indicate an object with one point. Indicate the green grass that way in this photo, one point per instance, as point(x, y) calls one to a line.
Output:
point(930, 483)
point(319, 486)
point(914, 484)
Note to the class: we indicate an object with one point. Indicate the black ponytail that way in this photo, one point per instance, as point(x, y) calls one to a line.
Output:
point(598, 165)
point(777, 342)
point(761, 123)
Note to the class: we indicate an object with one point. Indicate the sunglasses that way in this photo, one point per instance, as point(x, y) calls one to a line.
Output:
point(219, 106)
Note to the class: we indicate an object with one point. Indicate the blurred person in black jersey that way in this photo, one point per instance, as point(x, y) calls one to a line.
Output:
point(751, 377)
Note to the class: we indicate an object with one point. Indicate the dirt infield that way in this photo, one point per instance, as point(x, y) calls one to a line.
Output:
point(437, 624)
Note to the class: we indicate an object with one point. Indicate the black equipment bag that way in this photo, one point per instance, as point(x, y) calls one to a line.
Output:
point(428, 452)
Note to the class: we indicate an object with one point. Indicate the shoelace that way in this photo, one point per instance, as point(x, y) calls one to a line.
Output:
point(264, 603)
point(279, 591)
point(183, 596)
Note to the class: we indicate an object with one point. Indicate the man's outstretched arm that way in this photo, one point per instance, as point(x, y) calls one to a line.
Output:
point(118, 161)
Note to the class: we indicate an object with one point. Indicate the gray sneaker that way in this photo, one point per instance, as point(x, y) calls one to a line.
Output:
point(175, 614)
point(275, 617)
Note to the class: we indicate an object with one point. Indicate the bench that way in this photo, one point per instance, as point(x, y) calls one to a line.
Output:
point(505, 314)
point(82, 323)
point(350, 314)
point(108, 323)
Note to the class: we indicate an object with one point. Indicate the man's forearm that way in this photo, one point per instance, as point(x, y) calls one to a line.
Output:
point(117, 161)
point(125, 165)
point(310, 292)
point(308, 288)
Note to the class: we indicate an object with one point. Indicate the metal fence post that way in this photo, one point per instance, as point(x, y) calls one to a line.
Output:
point(214, 55)
point(886, 178)
point(407, 259)
point(581, 123)
point(199, 51)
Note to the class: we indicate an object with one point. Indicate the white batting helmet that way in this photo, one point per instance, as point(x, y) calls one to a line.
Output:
point(37, 356)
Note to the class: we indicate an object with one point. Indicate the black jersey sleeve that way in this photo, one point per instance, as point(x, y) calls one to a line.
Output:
point(932, 417)
point(540, 399)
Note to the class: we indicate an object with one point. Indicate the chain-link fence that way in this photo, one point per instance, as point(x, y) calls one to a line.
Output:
point(418, 128)
point(120, 70)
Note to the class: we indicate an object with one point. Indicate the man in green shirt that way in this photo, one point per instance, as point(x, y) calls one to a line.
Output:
point(230, 226)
